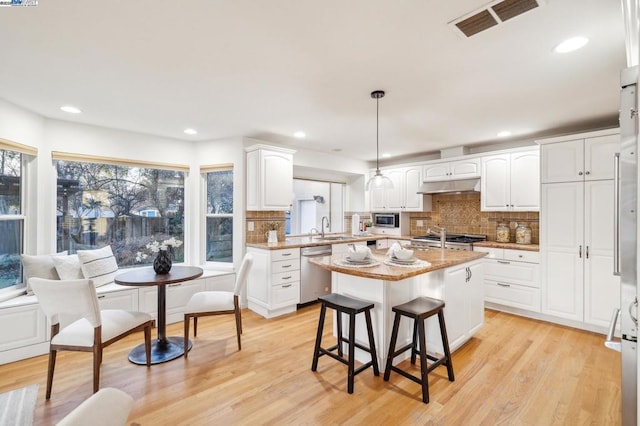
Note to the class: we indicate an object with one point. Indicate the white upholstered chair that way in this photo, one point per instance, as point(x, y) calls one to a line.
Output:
point(77, 324)
point(207, 303)
point(107, 407)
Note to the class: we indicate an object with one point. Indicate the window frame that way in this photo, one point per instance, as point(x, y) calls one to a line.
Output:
point(204, 171)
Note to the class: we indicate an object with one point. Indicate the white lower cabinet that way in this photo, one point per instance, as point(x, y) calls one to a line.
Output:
point(464, 307)
point(511, 278)
point(22, 326)
point(273, 283)
point(124, 299)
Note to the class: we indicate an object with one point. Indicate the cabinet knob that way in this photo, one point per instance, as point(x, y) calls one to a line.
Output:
point(579, 173)
point(587, 172)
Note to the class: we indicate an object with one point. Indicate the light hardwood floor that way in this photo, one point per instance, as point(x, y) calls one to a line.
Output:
point(515, 371)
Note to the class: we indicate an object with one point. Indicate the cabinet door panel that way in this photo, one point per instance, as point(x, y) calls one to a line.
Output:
point(495, 183)
point(435, 172)
point(127, 300)
point(393, 196)
point(598, 156)
point(465, 168)
point(412, 182)
point(22, 326)
point(563, 289)
point(277, 180)
point(563, 161)
point(455, 296)
point(525, 181)
point(475, 294)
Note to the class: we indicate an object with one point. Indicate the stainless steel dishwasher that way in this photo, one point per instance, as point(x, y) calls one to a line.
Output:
point(314, 281)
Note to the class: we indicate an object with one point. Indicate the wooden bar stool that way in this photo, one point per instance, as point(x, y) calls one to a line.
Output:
point(343, 304)
point(419, 309)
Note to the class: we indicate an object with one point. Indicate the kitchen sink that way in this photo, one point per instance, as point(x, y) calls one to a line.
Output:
point(334, 238)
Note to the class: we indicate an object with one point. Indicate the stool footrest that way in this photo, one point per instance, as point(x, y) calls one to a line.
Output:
point(405, 374)
point(356, 344)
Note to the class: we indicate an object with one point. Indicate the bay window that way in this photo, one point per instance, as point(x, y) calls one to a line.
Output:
point(11, 217)
point(219, 213)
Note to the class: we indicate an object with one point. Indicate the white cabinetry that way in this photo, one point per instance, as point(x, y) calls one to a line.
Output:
point(21, 326)
point(461, 169)
point(273, 284)
point(269, 178)
point(177, 296)
point(579, 159)
point(576, 228)
point(124, 299)
point(403, 196)
point(464, 306)
point(511, 278)
point(511, 182)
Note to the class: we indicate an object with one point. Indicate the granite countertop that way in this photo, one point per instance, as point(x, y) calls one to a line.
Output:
point(438, 259)
point(308, 241)
point(512, 246)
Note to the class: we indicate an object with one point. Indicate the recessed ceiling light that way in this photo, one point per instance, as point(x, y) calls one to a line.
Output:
point(571, 44)
point(299, 135)
point(504, 134)
point(386, 155)
point(70, 109)
point(191, 131)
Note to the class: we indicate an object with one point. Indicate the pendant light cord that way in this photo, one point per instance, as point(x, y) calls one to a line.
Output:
point(377, 131)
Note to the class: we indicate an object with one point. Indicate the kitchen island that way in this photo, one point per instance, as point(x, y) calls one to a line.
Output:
point(450, 275)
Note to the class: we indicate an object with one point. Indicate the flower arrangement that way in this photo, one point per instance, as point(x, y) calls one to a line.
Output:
point(154, 247)
point(272, 226)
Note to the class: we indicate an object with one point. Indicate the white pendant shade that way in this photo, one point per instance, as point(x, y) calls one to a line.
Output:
point(378, 180)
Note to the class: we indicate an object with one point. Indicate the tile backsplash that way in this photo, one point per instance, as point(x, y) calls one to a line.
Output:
point(261, 222)
point(460, 214)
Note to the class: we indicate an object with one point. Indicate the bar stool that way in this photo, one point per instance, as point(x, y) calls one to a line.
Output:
point(419, 309)
point(347, 305)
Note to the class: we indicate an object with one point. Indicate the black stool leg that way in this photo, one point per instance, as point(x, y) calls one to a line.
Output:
point(316, 351)
point(414, 349)
point(423, 361)
point(352, 352)
point(339, 331)
point(392, 347)
point(445, 345)
point(372, 344)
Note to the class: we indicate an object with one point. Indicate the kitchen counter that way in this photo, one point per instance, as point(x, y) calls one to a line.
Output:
point(512, 246)
point(437, 258)
point(308, 241)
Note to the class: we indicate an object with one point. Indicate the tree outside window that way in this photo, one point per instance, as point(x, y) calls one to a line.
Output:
point(121, 206)
point(219, 216)
point(11, 218)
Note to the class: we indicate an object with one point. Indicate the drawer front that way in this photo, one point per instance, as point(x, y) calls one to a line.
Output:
point(22, 326)
point(286, 254)
point(509, 272)
point(179, 294)
point(513, 295)
point(285, 277)
point(493, 253)
point(285, 295)
point(522, 255)
point(285, 266)
point(126, 300)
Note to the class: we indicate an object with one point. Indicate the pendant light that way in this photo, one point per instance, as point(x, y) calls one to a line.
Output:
point(378, 180)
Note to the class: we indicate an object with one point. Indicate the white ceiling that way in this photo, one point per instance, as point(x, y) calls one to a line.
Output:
point(265, 69)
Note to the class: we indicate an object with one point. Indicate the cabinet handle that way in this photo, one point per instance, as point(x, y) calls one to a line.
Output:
point(470, 274)
point(616, 214)
point(175, 285)
point(287, 278)
point(586, 253)
point(101, 297)
point(504, 285)
point(580, 252)
point(286, 266)
point(520, 256)
point(579, 173)
point(286, 254)
point(504, 262)
point(286, 286)
point(587, 172)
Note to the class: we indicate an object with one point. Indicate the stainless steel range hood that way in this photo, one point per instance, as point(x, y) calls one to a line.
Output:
point(462, 185)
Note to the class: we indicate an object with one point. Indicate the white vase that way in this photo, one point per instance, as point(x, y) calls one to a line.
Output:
point(272, 237)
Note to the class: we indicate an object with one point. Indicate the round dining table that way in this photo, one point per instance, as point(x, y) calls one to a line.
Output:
point(164, 348)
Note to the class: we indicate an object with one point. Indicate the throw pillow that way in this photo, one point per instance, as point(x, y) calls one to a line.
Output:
point(40, 266)
point(98, 265)
point(68, 267)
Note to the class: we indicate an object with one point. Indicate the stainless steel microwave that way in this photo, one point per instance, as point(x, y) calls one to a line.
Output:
point(386, 220)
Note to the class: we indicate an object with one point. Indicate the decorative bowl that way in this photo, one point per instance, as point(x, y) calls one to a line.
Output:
point(403, 254)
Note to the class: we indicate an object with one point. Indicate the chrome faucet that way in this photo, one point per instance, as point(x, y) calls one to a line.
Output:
point(442, 232)
point(312, 230)
point(322, 226)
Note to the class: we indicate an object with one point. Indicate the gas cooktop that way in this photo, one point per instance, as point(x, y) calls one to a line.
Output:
point(454, 238)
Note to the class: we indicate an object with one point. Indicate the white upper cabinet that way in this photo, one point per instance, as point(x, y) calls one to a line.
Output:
point(511, 182)
point(403, 196)
point(269, 178)
point(578, 160)
point(460, 169)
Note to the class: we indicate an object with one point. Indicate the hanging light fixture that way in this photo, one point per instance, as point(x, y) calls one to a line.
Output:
point(378, 180)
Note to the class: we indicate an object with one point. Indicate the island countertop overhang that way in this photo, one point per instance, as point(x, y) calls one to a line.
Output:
point(438, 259)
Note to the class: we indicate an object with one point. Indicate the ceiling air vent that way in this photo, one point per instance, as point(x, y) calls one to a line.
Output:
point(491, 15)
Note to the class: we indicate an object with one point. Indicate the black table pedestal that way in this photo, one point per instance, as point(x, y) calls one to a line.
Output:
point(161, 351)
